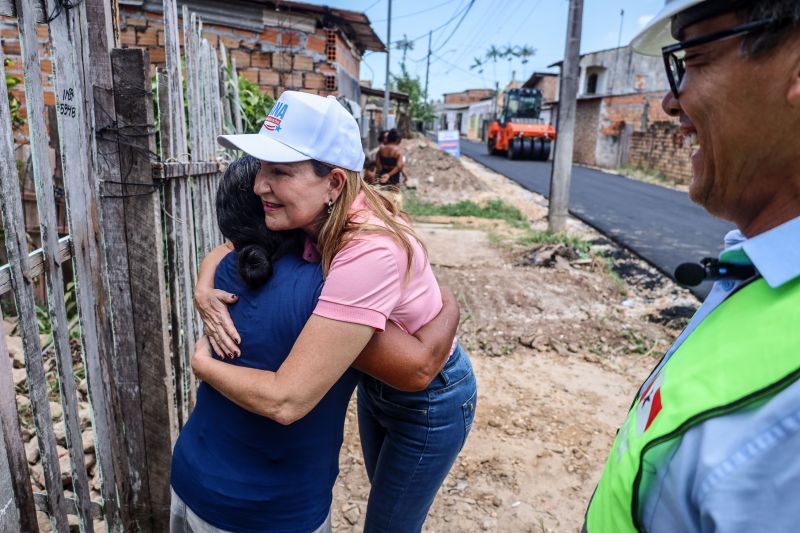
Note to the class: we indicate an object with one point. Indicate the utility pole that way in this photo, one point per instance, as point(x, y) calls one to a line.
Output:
point(388, 55)
point(562, 159)
point(428, 65)
point(621, 21)
point(405, 45)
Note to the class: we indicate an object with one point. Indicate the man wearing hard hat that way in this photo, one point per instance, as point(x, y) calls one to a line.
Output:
point(712, 440)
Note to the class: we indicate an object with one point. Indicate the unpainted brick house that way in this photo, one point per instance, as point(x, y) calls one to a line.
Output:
point(278, 45)
point(619, 121)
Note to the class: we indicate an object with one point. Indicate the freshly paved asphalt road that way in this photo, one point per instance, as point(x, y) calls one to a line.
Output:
point(660, 225)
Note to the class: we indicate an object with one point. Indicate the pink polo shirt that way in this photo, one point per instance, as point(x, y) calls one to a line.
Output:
point(366, 283)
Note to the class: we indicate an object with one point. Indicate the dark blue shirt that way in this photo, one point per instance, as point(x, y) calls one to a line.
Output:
point(243, 472)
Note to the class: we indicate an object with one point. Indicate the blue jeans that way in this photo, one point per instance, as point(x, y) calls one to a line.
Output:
point(410, 441)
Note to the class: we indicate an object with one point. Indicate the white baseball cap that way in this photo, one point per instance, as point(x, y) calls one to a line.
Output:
point(302, 126)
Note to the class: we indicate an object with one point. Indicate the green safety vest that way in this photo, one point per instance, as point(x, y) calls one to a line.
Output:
point(745, 351)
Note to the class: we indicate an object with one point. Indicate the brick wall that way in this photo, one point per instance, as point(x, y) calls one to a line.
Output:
point(276, 58)
point(660, 149)
point(637, 110)
point(9, 36)
point(586, 122)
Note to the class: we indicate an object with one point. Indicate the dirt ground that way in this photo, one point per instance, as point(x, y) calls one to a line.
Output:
point(559, 341)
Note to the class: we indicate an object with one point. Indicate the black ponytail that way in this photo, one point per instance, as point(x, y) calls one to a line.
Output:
point(240, 216)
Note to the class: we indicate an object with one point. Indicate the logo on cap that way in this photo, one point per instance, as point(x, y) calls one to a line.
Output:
point(273, 120)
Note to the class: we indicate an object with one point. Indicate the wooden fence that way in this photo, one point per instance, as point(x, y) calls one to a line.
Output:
point(94, 388)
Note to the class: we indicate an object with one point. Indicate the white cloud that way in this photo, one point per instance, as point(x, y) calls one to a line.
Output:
point(644, 19)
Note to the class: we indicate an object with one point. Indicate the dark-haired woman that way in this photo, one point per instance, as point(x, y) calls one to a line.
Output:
point(234, 470)
point(390, 161)
point(376, 272)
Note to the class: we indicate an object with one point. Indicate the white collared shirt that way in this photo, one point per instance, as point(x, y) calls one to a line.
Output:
point(738, 472)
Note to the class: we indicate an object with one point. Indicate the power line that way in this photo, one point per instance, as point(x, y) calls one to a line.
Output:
point(452, 66)
point(418, 12)
point(515, 32)
point(437, 28)
point(373, 4)
point(466, 12)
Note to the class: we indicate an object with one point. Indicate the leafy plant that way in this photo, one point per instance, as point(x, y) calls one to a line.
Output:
point(253, 104)
point(545, 237)
point(419, 109)
point(14, 103)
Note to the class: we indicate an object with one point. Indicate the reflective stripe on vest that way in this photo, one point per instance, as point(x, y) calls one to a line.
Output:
point(746, 350)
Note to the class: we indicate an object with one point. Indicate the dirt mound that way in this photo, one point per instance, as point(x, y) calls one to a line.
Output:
point(439, 177)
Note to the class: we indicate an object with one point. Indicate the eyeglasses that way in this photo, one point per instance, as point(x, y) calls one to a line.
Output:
point(674, 54)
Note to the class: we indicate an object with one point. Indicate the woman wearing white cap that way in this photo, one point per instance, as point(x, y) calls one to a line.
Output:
point(235, 471)
point(376, 270)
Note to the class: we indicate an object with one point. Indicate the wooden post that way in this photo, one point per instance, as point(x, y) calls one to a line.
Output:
point(134, 486)
point(142, 212)
point(54, 275)
point(15, 487)
point(22, 282)
point(562, 159)
point(73, 84)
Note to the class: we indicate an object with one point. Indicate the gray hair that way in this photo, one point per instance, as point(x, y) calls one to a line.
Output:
point(760, 43)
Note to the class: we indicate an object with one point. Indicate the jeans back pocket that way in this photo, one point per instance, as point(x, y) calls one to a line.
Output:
point(468, 409)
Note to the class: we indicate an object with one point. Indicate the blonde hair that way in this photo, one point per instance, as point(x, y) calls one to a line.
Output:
point(340, 228)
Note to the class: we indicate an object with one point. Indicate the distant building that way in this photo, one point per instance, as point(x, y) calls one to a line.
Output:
point(453, 111)
point(619, 121)
point(479, 116)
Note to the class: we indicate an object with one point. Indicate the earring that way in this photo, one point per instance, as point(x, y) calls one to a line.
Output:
point(330, 206)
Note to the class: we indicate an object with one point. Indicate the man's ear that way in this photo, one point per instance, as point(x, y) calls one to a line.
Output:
point(336, 181)
point(793, 94)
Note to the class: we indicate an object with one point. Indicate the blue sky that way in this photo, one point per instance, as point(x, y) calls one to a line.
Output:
point(540, 24)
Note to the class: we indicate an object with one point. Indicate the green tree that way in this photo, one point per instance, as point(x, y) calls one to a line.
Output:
point(419, 109)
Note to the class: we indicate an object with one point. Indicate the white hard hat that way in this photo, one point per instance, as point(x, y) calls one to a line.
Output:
point(658, 32)
point(303, 126)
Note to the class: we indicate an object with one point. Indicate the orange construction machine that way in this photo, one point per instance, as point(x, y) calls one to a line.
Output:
point(518, 131)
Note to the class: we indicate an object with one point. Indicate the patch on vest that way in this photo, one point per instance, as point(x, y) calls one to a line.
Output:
point(649, 404)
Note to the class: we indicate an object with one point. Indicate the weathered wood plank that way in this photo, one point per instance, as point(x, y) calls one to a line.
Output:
point(131, 69)
point(171, 225)
point(70, 44)
point(43, 504)
point(7, 8)
point(182, 231)
point(164, 171)
point(190, 55)
point(176, 122)
point(17, 248)
point(54, 275)
point(17, 510)
point(130, 455)
point(36, 263)
point(9, 514)
point(225, 90)
point(237, 103)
